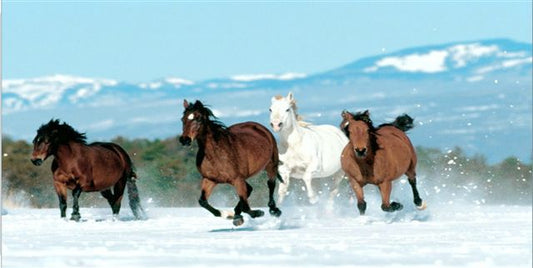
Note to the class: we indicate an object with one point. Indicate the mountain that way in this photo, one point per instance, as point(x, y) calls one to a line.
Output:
point(476, 95)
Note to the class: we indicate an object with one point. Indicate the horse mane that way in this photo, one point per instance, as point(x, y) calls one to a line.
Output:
point(60, 133)
point(209, 119)
point(299, 118)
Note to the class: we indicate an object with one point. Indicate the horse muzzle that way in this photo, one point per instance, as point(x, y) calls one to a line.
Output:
point(37, 161)
point(276, 125)
point(186, 141)
point(360, 152)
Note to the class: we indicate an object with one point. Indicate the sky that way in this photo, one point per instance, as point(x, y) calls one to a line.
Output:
point(143, 41)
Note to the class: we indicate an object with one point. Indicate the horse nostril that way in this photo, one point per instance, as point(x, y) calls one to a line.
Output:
point(185, 140)
point(37, 161)
point(360, 152)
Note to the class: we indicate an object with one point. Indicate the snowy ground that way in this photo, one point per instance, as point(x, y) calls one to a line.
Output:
point(452, 236)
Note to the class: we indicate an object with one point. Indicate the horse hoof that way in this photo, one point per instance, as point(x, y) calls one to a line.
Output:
point(75, 217)
point(257, 213)
point(238, 220)
point(422, 206)
point(394, 206)
point(275, 212)
point(227, 214)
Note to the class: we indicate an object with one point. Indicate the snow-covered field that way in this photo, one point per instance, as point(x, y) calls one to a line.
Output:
point(450, 236)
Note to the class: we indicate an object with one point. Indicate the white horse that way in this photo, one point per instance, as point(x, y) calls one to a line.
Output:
point(306, 151)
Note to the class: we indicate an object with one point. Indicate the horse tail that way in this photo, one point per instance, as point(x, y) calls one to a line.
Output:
point(133, 192)
point(403, 122)
point(135, 201)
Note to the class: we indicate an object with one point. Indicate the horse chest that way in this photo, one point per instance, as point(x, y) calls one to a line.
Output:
point(66, 178)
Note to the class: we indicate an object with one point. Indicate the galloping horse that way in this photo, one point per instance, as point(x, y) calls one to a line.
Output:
point(230, 155)
point(378, 156)
point(83, 167)
point(306, 151)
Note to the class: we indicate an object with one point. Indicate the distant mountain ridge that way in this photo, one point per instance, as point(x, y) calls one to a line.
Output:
point(478, 92)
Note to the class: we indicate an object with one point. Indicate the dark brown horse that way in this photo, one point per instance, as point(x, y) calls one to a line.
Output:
point(230, 155)
point(378, 156)
point(83, 167)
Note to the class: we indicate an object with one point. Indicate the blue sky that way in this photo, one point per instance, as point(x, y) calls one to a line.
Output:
point(143, 41)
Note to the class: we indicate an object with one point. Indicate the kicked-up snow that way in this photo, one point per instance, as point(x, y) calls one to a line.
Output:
point(450, 236)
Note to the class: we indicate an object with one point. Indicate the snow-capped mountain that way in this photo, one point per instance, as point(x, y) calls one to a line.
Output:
point(476, 95)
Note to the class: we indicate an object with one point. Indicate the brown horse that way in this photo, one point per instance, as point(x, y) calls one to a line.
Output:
point(230, 155)
point(83, 167)
point(378, 156)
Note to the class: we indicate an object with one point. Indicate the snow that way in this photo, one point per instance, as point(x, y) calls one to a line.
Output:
point(434, 61)
point(176, 81)
point(431, 62)
point(253, 77)
point(48, 90)
point(442, 236)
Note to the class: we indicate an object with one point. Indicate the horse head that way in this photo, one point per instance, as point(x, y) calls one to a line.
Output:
point(282, 111)
point(360, 131)
point(196, 117)
point(49, 137)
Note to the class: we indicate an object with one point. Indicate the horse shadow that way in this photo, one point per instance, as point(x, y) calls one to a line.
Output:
point(253, 226)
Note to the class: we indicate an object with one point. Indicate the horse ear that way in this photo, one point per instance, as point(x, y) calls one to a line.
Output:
point(367, 113)
point(345, 115)
point(185, 104)
point(290, 97)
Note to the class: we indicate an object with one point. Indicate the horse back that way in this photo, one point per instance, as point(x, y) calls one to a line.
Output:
point(254, 145)
point(108, 164)
point(396, 154)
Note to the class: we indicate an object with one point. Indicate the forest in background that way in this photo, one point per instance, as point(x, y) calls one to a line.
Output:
point(168, 178)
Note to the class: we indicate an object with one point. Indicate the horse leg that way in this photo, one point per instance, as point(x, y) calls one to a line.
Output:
point(207, 190)
point(108, 195)
point(61, 191)
point(421, 205)
point(274, 211)
point(243, 189)
point(337, 178)
point(75, 206)
point(307, 177)
point(118, 193)
point(387, 206)
point(283, 186)
point(273, 172)
point(358, 190)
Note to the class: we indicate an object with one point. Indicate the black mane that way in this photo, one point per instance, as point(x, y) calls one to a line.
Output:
point(208, 119)
point(60, 133)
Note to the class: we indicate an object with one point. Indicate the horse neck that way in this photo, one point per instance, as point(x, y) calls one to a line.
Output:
point(67, 151)
point(206, 138)
point(292, 127)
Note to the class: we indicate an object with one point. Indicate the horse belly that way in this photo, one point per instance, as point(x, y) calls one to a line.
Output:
point(106, 172)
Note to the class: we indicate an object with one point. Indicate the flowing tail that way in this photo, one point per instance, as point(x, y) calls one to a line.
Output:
point(403, 122)
point(133, 195)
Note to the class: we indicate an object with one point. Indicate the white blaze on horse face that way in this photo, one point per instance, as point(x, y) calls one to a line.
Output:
point(191, 116)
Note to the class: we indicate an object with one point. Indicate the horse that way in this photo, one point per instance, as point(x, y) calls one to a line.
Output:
point(306, 151)
point(83, 167)
point(230, 155)
point(378, 156)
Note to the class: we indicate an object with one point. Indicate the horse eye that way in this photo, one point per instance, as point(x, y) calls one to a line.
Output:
point(287, 110)
point(270, 110)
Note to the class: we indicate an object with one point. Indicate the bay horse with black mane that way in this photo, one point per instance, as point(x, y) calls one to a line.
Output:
point(83, 167)
point(378, 156)
point(230, 155)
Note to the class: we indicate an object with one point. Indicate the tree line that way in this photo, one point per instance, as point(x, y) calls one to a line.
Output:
point(168, 178)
